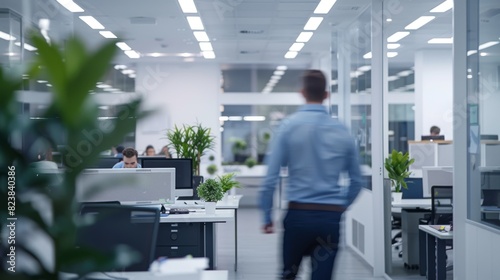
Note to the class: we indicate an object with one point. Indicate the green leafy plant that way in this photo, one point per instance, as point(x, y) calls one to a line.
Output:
point(73, 73)
point(250, 162)
point(227, 182)
point(397, 165)
point(212, 169)
point(210, 190)
point(191, 141)
point(239, 146)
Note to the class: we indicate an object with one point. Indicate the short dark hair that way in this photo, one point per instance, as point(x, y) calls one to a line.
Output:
point(314, 85)
point(130, 152)
point(119, 149)
point(435, 129)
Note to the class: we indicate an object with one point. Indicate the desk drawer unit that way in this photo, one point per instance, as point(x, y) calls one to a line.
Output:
point(180, 239)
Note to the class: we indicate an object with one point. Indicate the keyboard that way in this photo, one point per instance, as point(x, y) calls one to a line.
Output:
point(178, 211)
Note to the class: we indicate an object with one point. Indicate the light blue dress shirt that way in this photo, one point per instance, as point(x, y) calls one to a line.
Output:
point(316, 149)
point(122, 165)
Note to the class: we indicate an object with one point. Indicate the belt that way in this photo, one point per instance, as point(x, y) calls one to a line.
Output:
point(315, 206)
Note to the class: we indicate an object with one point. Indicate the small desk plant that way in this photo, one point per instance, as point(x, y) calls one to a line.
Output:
point(227, 182)
point(397, 165)
point(210, 191)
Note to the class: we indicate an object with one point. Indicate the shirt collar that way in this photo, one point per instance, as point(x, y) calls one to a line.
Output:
point(313, 107)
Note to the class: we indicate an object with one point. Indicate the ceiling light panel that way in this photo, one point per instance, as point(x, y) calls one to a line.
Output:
point(188, 6)
point(107, 34)
point(70, 6)
point(304, 37)
point(313, 23)
point(487, 45)
point(123, 46)
point(6, 36)
point(206, 46)
point(132, 54)
point(291, 55)
point(397, 36)
point(195, 23)
point(92, 22)
point(324, 6)
point(440, 41)
point(282, 67)
point(201, 36)
point(296, 47)
point(393, 46)
point(419, 22)
point(443, 7)
point(208, 54)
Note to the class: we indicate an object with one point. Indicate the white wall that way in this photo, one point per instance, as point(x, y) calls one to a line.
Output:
point(482, 247)
point(361, 211)
point(184, 93)
point(433, 92)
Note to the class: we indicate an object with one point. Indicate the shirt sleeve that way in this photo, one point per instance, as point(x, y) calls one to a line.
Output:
point(275, 158)
point(356, 180)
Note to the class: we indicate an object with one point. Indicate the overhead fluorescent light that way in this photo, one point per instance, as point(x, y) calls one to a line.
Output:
point(223, 118)
point(206, 46)
point(103, 86)
point(155, 54)
point(107, 34)
point(324, 6)
point(275, 77)
point(397, 36)
point(6, 36)
point(388, 19)
point(208, 54)
point(405, 73)
point(279, 73)
point(195, 23)
point(120, 66)
point(132, 54)
point(254, 118)
point(123, 46)
point(393, 46)
point(132, 76)
point(188, 6)
point(201, 36)
point(419, 22)
point(70, 6)
point(392, 54)
point(487, 45)
point(471, 52)
point(365, 68)
point(296, 47)
point(128, 71)
point(313, 23)
point(484, 54)
point(367, 55)
point(92, 22)
point(355, 74)
point(304, 37)
point(235, 118)
point(27, 47)
point(440, 41)
point(41, 81)
point(291, 55)
point(392, 78)
point(443, 7)
point(282, 68)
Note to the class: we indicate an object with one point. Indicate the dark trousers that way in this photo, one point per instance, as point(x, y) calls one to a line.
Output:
point(314, 233)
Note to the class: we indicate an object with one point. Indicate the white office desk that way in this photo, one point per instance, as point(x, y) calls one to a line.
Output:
point(231, 202)
point(146, 275)
point(424, 203)
point(199, 216)
point(435, 250)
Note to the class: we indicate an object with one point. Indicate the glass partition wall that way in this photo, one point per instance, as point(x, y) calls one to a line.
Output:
point(483, 96)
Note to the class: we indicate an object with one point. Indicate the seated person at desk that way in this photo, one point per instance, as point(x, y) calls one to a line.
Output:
point(129, 159)
point(164, 152)
point(435, 130)
point(149, 151)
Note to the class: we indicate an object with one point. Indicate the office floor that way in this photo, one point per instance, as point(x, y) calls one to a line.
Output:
point(258, 255)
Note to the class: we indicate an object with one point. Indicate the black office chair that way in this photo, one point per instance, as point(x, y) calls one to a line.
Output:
point(116, 225)
point(442, 210)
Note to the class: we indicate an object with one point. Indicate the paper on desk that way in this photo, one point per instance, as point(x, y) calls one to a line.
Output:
point(179, 266)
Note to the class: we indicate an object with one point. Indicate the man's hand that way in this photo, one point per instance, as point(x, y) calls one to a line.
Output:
point(268, 228)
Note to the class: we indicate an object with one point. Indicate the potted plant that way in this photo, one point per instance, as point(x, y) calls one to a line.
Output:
point(250, 162)
point(397, 165)
point(228, 182)
point(238, 149)
point(212, 169)
point(263, 144)
point(191, 141)
point(73, 73)
point(210, 191)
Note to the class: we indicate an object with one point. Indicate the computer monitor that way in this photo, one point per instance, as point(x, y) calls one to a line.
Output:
point(105, 162)
point(436, 176)
point(183, 172)
point(414, 190)
point(127, 185)
point(489, 137)
point(432, 137)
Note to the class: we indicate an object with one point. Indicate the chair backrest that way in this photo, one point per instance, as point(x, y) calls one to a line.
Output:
point(442, 205)
point(414, 190)
point(117, 225)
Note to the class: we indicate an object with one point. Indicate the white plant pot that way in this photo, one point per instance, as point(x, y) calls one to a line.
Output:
point(396, 197)
point(210, 207)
